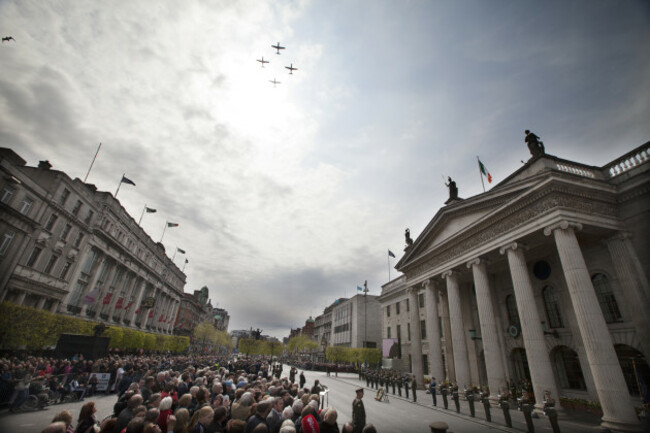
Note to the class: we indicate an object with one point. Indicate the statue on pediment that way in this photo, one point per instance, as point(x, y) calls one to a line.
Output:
point(535, 145)
point(453, 189)
point(407, 236)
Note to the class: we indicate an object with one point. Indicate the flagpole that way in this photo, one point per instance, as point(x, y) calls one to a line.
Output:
point(163, 235)
point(479, 172)
point(184, 264)
point(92, 163)
point(143, 209)
point(118, 186)
point(174, 256)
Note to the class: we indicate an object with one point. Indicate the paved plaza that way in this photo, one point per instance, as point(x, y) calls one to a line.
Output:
point(398, 415)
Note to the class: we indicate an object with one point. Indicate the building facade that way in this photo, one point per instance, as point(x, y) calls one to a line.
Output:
point(540, 279)
point(356, 322)
point(71, 249)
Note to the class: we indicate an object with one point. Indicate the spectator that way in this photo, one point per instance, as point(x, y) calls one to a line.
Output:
point(65, 417)
point(87, 420)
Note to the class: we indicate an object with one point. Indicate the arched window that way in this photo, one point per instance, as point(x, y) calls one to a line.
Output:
point(567, 368)
point(513, 314)
point(632, 363)
point(606, 298)
point(552, 304)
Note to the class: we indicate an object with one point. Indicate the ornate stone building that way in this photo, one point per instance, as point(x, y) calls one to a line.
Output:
point(71, 249)
point(540, 279)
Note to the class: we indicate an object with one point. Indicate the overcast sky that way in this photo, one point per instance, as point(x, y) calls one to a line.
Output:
point(289, 197)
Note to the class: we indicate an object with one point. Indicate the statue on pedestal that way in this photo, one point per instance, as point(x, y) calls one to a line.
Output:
point(407, 237)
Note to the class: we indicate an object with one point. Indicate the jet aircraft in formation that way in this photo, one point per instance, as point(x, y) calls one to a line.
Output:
point(274, 81)
point(8, 39)
point(262, 61)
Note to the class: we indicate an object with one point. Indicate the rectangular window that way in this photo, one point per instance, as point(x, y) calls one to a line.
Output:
point(408, 305)
point(388, 312)
point(388, 332)
point(421, 300)
point(77, 241)
point(440, 326)
point(89, 216)
point(397, 307)
point(50, 222)
point(77, 207)
point(425, 364)
point(33, 257)
point(51, 263)
point(6, 241)
point(408, 331)
point(64, 196)
point(66, 232)
point(423, 329)
point(399, 332)
point(64, 271)
point(7, 193)
point(26, 205)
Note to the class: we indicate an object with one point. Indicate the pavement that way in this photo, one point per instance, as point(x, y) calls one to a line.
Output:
point(398, 415)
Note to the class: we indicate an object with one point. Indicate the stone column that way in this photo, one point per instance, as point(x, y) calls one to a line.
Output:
point(539, 362)
point(55, 306)
point(618, 411)
point(106, 285)
point(446, 332)
point(491, 347)
point(21, 297)
point(40, 303)
point(433, 330)
point(138, 300)
point(458, 342)
point(174, 311)
point(416, 336)
point(634, 284)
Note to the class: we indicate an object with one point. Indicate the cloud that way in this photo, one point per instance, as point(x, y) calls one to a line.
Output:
point(289, 196)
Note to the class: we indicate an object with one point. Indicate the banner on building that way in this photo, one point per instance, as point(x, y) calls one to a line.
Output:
point(390, 348)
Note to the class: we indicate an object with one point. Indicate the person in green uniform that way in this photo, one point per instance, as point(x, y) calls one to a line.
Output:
point(358, 412)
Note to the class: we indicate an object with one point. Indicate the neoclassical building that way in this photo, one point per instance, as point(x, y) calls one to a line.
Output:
point(70, 249)
point(542, 278)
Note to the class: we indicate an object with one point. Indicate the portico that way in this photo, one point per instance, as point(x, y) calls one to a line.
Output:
point(530, 291)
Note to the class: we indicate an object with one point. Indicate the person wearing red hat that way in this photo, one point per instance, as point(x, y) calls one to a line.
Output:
point(309, 424)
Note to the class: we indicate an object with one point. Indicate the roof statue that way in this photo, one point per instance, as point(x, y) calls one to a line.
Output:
point(453, 190)
point(407, 237)
point(535, 145)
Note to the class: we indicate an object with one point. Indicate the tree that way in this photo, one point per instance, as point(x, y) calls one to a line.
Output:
point(205, 335)
point(301, 343)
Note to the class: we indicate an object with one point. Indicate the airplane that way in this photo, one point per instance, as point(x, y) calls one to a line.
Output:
point(291, 69)
point(262, 61)
point(278, 47)
point(274, 82)
point(10, 38)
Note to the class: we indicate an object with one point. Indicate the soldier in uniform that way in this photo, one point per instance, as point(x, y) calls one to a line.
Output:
point(391, 380)
point(406, 385)
point(414, 387)
point(398, 379)
point(358, 412)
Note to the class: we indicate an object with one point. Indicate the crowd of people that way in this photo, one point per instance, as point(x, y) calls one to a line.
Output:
point(181, 394)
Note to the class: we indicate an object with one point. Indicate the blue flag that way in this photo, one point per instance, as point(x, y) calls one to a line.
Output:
point(390, 254)
point(127, 180)
point(359, 288)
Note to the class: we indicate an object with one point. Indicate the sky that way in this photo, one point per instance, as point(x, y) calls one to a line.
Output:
point(289, 197)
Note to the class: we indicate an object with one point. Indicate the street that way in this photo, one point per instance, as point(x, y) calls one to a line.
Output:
point(396, 416)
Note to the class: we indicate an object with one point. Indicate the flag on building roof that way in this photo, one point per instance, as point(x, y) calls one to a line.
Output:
point(359, 289)
point(187, 261)
point(150, 210)
point(180, 251)
point(172, 224)
point(390, 254)
point(484, 171)
point(127, 180)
